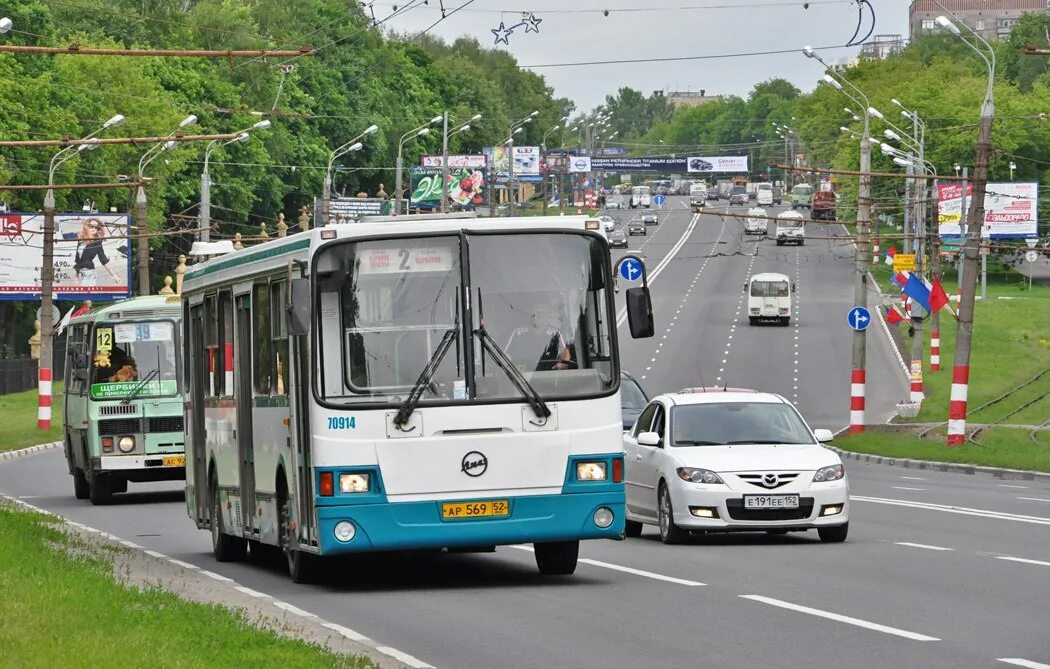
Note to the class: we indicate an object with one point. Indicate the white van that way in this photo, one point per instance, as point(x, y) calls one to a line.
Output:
point(764, 197)
point(790, 229)
point(641, 197)
point(757, 221)
point(769, 298)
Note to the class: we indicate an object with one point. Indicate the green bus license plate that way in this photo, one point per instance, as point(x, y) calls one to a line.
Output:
point(486, 509)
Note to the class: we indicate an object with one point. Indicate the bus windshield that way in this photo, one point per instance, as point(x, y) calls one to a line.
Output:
point(390, 308)
point(802, 189)
point(769, 289)
point(138, 357)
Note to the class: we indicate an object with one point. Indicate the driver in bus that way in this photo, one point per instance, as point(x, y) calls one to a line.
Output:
point(558, 353)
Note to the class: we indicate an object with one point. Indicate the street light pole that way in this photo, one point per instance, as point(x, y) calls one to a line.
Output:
point(415, 132)
point(543, 164)
point(445, 134)
point(205, 209)
point(342, 150)
point(514, 127)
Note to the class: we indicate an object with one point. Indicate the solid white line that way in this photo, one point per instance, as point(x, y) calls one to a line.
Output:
point(622, 315)
point(639, 572)
point(404, 657)
point(1034, 499)
point(963, 511)
point(1024, 560)
point(294, 610)
point(1018, 662)
point(346, 632)
point(217, 577)
point(840, 618)
point(184, 565)
point(250, 592)
point(926, 546)
point(900, 487)
point(1007, 485)
point(913, 478)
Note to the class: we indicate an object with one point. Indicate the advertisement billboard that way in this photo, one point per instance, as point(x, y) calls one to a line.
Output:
point(526, 160)
point(466, 188)
point(579, 164)
point(695, 164)
point(1010, 209)
point(91, 256)
point(475, 162)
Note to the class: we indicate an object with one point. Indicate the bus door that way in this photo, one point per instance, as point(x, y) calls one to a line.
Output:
point(199, 376)
point(243, 407)
point(299, 399)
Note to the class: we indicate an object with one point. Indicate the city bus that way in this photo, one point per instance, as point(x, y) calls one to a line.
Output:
point(418, 382)
point(641, 196)
point(123, 404)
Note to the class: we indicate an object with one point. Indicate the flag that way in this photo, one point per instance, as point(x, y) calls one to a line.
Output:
point(917, 290)
point(890, 252)
point(901, 278)
point(893, 317)
point(938, 298)
point(65, 321)
point(83, 309)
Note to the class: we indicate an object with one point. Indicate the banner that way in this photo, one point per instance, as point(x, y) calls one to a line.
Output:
point(1010, 209)
point(349, 209)
point(526, 163)
point(717, 164)
point(466, 188)
point(578, 164)
point(91, 256)
point(526, 160)
point(475, 162)
point(556, 163)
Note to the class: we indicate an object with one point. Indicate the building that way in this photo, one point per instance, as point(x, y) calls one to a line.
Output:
point(689, 98)
point(882, 46)
point(992, 19)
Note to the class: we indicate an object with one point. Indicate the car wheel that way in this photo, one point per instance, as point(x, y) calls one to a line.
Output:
point(557, 558)
point(780, 242)
point(81, 489)
point(101, 489)
point(753, 320)
point(835, 534)
point(632, 529)
point(669, 532)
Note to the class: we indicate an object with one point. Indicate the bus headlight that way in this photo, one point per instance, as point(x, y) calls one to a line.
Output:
point(344, 531)
point(354, 482)
point(590, 471)
point(126, 444)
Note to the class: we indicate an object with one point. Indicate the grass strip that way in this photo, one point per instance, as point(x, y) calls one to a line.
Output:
point(999, 447)
point(18, 428)
point(63, 609)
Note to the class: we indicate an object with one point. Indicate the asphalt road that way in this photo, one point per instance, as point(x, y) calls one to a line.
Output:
point(940, 570)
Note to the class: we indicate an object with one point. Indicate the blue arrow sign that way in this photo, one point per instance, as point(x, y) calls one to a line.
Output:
point(659, 200)
point(631, 269)
point(859, 318)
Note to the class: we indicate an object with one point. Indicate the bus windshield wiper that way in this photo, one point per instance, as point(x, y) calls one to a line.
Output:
point(138, 389)
point(404, 412)
point(539, 407)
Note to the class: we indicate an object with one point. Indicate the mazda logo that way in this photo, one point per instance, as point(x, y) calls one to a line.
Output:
point(770, 480)
point(474, 464)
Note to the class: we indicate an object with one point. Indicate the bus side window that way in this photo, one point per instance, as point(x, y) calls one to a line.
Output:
point(224, 382)
point(279, 323)
point(262, 344)
point(213, 365)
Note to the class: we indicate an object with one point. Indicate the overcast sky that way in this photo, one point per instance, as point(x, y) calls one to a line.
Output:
point(568, 33)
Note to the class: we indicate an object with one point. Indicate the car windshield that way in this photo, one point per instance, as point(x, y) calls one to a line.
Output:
point(802, 189)
point(737, 423)
point(631, 395)
point(769, 289)
point(134, 358)
point(385, 305)
point(738, 190)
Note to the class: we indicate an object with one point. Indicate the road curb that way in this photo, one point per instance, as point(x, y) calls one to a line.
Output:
point(953, 467)
point(11, 455)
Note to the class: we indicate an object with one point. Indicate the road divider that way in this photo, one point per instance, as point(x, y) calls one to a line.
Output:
point(914, 636)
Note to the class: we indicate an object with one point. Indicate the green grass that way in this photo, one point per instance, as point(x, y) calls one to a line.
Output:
point(998, 447)
point(64, 611)
point(18, 428)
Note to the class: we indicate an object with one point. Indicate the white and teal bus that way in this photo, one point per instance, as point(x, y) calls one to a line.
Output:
point(420, 382)
point(123, 405)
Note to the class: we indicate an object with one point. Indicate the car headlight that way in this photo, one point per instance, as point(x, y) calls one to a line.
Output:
point(832, 473)
point(698, 475)
point(126, 444)
point(354, 482)
point(590, 471)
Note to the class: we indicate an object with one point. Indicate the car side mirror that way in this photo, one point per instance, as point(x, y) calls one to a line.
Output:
point(794, 287)
point(298, 307)
point(648, 439)
point(640, 313)
point(823, 436)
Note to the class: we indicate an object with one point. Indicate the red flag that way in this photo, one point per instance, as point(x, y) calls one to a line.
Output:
point(893, 316)
point(938, 298)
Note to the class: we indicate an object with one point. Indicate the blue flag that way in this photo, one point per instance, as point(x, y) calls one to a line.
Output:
point(916, 289)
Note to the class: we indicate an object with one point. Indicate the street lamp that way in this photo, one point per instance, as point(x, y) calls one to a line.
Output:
point(1013, 166)
point(421, 131)
point(543, 158)
point(445, 134)
point(5, 25)
point(342, 150)
point(519, 124)
point(205, 206)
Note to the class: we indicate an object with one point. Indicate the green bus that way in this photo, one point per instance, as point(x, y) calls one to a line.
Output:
point(800, 196)
point(123, 405)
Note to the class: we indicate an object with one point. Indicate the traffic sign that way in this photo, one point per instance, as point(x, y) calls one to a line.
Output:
point(1031, 241)
point(56, 315)
point(859, 318)
point(631, 269)
point(904, 262)
point(1031, 256)
point(659, 200)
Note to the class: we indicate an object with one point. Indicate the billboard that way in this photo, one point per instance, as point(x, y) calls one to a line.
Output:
point(91, 256)
point(696, 164)
point(466, 187)
point(1010, 209)
point(476, 162)
point(526, 160)
point(526, 163)
point(348, 209)
point(578, 164)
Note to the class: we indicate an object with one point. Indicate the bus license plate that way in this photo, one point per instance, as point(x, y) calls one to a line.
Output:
point(174, 461)
point(757, 502)
point(488, 508)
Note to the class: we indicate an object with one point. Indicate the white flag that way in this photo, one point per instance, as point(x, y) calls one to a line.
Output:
point(65, 320)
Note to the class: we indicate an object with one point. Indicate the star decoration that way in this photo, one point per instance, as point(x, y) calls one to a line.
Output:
point(502, 33)
point(532, 24)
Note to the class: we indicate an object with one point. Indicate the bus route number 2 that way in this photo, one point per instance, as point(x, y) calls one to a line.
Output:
point(342, 423)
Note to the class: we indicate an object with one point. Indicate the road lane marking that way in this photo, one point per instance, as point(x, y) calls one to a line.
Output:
point(651, 276)
point(1019, 662)
point(252, 593)
point(960, 510)
point(347, 632)
point(159, 556)
point(1007, 485)
point(913, 478)
point(900, 487)
point(926, 546)
point(1041, 563)
point(1034, 499)
point(403, 657)
point(184, 565)
point(291, 608)
point(628, 570)
point(915, 636)
point(217, 577)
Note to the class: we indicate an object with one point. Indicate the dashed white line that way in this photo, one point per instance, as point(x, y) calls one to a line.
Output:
point(640, 572)
point(251, 593)
point(403, 657)
point(1041, 563)
point(913, 478)
point(217, 577)
point(914, 636)
point(159, 556)
point(291, 608)
point(1019, 662)
point(347, 632)
point(960, 510)
point(1007, 485)
point(926, 546)
point(901, 487)
point(1034, 499)
point(184, 565)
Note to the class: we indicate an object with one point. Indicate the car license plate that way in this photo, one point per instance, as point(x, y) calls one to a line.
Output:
point(486, 509)
point(174, 461)
point(756, 502)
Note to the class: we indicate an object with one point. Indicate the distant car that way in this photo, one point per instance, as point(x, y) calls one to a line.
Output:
point(632, 398)
point(712, 194)
point(636, 227)
point(738, 195)
point(618, 238)
point(731, 461)
point(651, 219)
point(608, 222)
point(614, 204)
point(822, 205)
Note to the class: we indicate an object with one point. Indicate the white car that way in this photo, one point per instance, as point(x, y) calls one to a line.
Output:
point(731, 460)
point(608, 222)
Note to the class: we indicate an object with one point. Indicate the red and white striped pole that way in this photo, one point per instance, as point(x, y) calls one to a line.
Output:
point(957, 406)
point(43, 411)
point(935, 351)
point(856, 401)
point(875, 252)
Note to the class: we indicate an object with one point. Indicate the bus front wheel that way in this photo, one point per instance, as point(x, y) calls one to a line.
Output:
point(557, 558)
point(81, 488)
point(101, 489)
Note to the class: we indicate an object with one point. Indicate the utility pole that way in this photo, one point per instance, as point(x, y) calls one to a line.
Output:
point(935, 271)
point(444, 162)
point(142, 248)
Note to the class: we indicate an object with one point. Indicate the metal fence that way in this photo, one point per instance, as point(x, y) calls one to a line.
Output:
point(19, 373)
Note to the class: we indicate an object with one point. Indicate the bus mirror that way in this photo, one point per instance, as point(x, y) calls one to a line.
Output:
point(639, 313)
point(299, 307)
